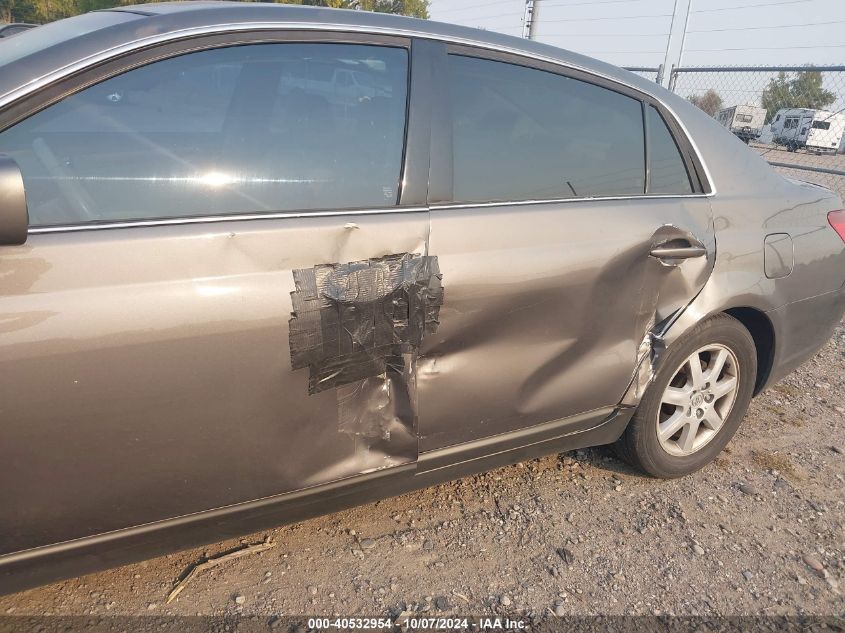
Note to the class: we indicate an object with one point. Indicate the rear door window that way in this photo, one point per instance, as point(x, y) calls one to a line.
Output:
point(521, 133)
point(244, 129)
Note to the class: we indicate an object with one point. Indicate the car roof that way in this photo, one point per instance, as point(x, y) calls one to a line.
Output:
point(34, 57)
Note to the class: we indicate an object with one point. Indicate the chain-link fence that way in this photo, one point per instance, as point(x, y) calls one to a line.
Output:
point(652, 74)
point(793, 115)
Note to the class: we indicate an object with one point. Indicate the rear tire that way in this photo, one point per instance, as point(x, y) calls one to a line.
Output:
point(687, 416)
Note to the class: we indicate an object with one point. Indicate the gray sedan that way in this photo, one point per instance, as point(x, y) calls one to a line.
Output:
point(261, 262)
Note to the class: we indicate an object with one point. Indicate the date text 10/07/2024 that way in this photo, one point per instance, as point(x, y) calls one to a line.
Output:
point(417, 623)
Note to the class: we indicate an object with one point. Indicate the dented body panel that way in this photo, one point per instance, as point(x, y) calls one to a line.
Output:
point(180, 396)
point(801, 309)
point(168, 383)
point(555, 330)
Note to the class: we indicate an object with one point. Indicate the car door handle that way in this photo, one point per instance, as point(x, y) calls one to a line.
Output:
point(678, 249)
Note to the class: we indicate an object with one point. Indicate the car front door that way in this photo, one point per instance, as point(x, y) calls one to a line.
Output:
point(212, 304)
point(547, 222)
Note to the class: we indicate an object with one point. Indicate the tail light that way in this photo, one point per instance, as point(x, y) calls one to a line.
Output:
point(837, 221)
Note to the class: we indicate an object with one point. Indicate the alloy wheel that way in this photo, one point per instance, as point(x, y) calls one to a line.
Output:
point(698, 400)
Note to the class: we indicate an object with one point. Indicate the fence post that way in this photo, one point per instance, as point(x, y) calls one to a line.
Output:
point(673, 77)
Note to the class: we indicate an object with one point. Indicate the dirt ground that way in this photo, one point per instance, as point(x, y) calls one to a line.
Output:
point(758, 532)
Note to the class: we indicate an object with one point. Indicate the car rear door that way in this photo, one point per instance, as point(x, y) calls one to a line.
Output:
point(212, 306)
point(552, 192)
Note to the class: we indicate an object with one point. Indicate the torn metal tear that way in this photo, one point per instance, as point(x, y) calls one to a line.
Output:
point(649, 356)
point(371, 407)
point(644, 373)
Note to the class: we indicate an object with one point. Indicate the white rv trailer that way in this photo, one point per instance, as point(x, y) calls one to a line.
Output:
point(815, 130)
point(746, 121)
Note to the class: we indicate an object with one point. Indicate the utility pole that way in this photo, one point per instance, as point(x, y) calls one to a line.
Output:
point(684, 36)
point(678, 17)
point(529, 26)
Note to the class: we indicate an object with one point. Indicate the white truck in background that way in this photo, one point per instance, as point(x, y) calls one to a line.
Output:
point(746, 121)
point(814, 130)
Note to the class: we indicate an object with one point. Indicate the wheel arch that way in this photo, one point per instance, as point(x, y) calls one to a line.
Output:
point(753, 318)
point(763, 333)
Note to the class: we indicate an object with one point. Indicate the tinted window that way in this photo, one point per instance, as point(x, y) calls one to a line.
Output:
point(667, 172)
point(245, 129)
point(521, 133)
point(821, 125)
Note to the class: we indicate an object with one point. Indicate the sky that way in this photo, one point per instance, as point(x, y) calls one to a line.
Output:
point(636, 32)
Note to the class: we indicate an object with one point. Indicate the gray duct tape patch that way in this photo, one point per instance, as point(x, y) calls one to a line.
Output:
point(350, 321)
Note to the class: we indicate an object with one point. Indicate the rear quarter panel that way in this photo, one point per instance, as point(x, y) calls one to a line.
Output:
point(751, 200)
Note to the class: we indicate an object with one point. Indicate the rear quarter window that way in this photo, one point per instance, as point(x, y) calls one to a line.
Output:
point(667, 171)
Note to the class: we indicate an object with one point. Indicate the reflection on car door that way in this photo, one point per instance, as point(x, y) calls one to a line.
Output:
point(158, 360)
point(549, 302)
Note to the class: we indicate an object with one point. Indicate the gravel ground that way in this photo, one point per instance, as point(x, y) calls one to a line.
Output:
point(758, 532)
point(775, 154)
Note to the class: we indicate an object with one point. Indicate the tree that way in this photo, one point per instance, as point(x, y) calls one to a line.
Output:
point(805, 90)
point(17, 11)
point(85, 6)
point(414, 8)
point(41, 11)
point(332, 4)
point(710, 101)
point(50, 10)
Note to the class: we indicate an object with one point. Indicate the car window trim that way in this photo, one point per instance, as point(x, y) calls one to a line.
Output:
point(558, 201)
point(708, 186)
point(646, 147)
point(695, 169)
point(98, 72)
point(216, 219)
point(413, 177)
point(233, 33)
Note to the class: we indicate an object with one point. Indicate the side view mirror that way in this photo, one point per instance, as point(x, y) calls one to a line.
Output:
point(14, 218)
